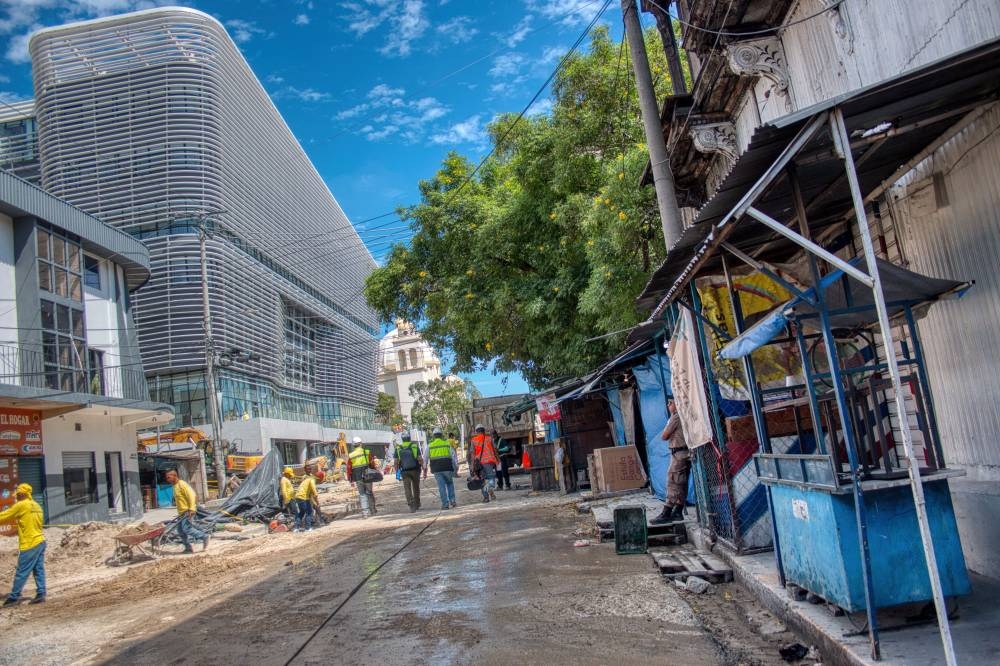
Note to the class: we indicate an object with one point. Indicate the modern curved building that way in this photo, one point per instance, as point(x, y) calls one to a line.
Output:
point(154, 122)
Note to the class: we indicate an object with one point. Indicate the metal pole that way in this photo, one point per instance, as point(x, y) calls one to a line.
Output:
point(839, 129)
point(659, 161)
point(210, 397)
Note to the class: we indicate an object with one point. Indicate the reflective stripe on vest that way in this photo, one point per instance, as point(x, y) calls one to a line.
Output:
point(439, 448)
point(359, 458)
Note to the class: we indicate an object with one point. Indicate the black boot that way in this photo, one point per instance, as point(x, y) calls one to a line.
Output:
point(677, 515)
point(664, 516)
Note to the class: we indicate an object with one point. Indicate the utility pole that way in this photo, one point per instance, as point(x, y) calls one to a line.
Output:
point(663, 180)
point(210, 388)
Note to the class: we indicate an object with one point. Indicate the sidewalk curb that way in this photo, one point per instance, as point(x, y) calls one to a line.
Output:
point(835, 652)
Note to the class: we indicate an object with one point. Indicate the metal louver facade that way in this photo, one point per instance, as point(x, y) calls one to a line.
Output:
point(152, 122)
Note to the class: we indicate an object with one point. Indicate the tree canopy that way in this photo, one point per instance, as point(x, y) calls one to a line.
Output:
point(546, 247)
point(441, 403)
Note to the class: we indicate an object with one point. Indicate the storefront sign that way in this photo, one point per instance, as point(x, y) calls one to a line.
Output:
point(20, 432)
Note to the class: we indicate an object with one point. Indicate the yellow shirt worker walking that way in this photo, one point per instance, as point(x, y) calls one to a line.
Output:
point(305, 496)
point(187, 507)
point(30, 544)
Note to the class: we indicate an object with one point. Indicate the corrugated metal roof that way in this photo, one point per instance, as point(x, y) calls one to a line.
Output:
point(913, 110)
point(20, 198)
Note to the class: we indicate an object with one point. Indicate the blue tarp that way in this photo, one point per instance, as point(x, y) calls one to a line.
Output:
point(615, 403)
point(653, 408)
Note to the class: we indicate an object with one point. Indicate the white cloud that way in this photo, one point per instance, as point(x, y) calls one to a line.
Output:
point(243, 31)
point(469, 131)
point(457, 30)
point(404, 22)
point(552, 55)
point(542, 107)
point(388, 111)
point(301, 94)
point(508, 66)
point(567, 12)
point(301, 19)
point(274, 78)
point(17, 48)
point(520, 32)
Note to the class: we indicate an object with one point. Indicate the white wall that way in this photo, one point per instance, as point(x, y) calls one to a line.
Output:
point(98, 434)
point(8, 303)
point(882, 39)
point(257, 434)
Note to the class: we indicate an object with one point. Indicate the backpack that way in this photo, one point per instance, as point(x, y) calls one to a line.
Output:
point(407, 460)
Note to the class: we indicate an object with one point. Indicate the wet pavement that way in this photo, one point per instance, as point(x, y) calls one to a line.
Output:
point(494, 583)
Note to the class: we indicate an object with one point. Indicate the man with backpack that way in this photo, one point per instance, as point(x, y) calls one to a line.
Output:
point(410, 463)
point(485, 461)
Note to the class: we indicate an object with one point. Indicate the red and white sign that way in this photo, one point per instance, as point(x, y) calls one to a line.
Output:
point(8, 482)
point(20, 432)
point(548, 408)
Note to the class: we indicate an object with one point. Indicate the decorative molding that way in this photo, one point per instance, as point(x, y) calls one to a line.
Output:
point(715, 138)
point(761, 57)
point(841, 23)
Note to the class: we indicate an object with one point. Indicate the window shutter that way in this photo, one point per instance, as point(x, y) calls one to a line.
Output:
point(78, 459)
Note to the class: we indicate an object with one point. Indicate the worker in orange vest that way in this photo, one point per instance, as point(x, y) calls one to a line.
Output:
point(485, 461)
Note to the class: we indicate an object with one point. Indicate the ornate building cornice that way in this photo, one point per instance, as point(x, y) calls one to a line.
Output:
point(761, 57)
point(715, 138)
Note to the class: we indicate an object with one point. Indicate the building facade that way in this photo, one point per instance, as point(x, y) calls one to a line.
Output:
point(72, 388)
point(154, 122)
point(405, 359)
point(939, 218)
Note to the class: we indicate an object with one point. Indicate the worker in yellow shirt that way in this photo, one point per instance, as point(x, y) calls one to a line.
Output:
point(187, 508)
point(30, 544)
point(305, 496)
point(287, 489)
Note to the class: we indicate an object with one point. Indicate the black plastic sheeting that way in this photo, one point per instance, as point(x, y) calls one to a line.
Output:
point(258, 499)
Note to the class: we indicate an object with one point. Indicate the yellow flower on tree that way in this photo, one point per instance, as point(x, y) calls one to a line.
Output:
point(469, 296)
point(552, 216)
point(622, 216)
point(423, 274)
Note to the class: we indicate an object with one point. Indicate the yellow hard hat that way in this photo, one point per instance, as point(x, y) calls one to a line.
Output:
point(288, 472)
point(23, 489)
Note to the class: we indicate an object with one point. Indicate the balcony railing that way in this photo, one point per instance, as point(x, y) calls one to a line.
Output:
point(23, 366)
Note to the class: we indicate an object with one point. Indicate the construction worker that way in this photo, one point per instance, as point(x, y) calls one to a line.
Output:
point(505, 453)
point(186, 502)
point(442, 465)
point(305, 497)
point(30, 544)
point(359, 460)
point(287, 489)
point(486, 459)
point(680, 469)
point(409, 463)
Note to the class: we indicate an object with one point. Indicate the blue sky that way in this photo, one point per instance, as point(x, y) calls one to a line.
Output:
point(377, 91)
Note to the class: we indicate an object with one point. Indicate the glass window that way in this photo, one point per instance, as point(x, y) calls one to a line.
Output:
point(58, 250)
point(79, 477)
point(92, 271)
point(299, 364)
point(43, 244)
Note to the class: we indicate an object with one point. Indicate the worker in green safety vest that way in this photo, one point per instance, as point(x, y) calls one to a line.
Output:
point(442, 459)
point(361, 460)
point(410, 464)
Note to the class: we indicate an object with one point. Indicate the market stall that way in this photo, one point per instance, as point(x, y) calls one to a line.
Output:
point(802, 322)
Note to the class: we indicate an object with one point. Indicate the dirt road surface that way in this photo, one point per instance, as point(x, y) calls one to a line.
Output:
point(492, 583)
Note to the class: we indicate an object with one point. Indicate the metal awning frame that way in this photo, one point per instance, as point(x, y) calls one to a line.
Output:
point(832, 120)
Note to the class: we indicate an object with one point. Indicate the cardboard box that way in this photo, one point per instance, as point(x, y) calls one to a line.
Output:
point(619, 468)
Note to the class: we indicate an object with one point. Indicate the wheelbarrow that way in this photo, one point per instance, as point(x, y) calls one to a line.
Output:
point(126, 543)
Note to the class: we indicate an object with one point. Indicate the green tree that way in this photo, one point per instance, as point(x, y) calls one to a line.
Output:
point(386, 409)
point(547, 246)
point(441, 403)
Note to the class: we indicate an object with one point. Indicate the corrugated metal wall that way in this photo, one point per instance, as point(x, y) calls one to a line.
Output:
point(956, 234)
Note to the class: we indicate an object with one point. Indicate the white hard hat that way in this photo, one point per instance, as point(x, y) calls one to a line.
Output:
point(356, 440)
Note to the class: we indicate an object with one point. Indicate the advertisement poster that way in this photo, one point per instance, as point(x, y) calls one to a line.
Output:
point(20, 432)
point(548, 409)
point(8, 482)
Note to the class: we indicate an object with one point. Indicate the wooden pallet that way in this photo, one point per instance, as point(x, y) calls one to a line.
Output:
point(680, 563)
